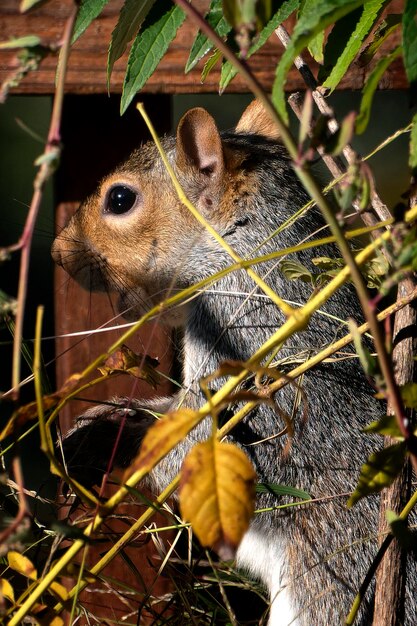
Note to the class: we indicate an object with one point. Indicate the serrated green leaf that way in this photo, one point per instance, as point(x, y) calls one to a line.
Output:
point(147, 50)
point(371, 11)
point(228, 71)
point(210, 63)
point(202, 44)
point(384, 30)
point(29, 41)
point(87, 12)
point(315, 47)
point(282, 490)
point(413, 145)
point(315, 17)
point(370, 87)
point(410, 40)
point(409, 395)
point(131, 18)
point(337, 41)
point(380, 470)
point(386, 425)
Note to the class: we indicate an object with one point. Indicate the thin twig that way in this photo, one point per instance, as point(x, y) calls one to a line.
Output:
point(47, 165)
point(323, 106)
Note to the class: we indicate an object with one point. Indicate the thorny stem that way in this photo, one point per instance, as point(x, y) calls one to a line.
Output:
point(316, 194)
point(48, 161)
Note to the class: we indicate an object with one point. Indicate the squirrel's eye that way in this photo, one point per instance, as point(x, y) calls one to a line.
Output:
point(120, 200)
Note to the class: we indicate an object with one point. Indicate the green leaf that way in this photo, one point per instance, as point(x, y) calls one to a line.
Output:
point(131, 18)
point(371, 12)
point(88, 11)
point(413, 145)
point(294, 270)
point(315, 47)
point(370, 88)
point(399, 528)
point(29, 41)
point(288, 7)
point(380, 470)
point(410, 40)
point(247, 13)
point(337, 41)
point(147, 50)
point(409, 395)
point(282, 490)
point(384, 30)
point(315, 17)
point(386, 425)
point(202, 44)
point(210, 63)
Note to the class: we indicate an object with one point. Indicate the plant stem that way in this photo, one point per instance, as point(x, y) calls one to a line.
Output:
point(48, 162)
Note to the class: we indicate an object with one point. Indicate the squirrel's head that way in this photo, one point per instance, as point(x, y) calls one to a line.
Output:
point(135, 236)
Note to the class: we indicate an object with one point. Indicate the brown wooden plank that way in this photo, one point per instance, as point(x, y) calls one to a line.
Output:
point(87, 71)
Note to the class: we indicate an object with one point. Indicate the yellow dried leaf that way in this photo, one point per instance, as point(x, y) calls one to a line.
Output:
point(54, 621)
point(59, 590)
point(162, 437)
point(6, 589)
point(20, 563)
point(217, 494)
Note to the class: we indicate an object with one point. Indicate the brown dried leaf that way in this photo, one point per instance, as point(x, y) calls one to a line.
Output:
point(125, 361)
point(30, 411)
point(217, 494)
point(162, 437)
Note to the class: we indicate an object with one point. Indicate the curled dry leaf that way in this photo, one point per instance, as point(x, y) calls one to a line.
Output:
point(162, 437)
point(125, 361)
point(217, 494)
point(30, 411)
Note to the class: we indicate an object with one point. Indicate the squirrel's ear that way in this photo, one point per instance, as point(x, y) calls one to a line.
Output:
point(256, 120)
point(199, 143)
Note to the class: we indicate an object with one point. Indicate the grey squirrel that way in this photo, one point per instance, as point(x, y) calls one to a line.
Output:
point(133, 236)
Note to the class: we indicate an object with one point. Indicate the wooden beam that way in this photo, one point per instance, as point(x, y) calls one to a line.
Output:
point(87, 70)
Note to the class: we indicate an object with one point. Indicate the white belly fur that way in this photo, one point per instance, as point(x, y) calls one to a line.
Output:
point(264, 560)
